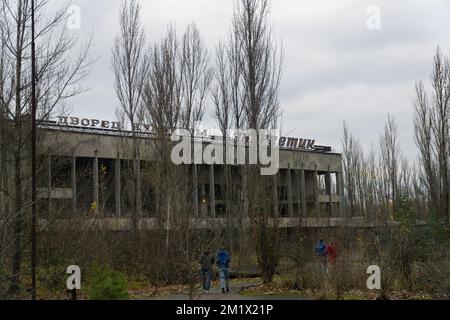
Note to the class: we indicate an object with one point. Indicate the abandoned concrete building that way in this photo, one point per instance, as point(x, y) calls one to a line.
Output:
point(309, 193)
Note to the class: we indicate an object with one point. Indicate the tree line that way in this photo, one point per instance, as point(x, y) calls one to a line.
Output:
point(378, 179)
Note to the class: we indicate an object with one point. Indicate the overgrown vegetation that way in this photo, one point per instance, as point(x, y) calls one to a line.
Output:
point(106, 284)
point(404, 205)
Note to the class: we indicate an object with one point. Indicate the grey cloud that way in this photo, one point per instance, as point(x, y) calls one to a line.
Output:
point(335, 68)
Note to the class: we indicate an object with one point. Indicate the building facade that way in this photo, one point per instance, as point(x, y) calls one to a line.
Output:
point(87, 168)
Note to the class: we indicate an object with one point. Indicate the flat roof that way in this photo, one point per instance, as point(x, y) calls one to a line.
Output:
point(53, 125)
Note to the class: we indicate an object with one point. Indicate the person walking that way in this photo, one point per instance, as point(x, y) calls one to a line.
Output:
point(223, 262)
point(331, 253)
point(321, 252)
point(206, 263)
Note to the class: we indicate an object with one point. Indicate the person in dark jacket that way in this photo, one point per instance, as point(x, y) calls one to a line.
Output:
point(206, 264)
point(223, 262)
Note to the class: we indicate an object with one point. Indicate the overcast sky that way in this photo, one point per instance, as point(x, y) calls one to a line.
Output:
point(336, 68)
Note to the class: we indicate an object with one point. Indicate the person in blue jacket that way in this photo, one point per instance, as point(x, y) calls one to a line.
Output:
point(320, 248)
point(321, 252)
point(223, 262)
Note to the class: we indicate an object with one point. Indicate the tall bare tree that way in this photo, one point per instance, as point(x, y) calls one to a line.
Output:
point(58, 76)
point(196, 76)
point(163, 97)
point(222, 96)
point(352, 158)
point(432, 116)
point(423, 135)
point(221, 92)
point(163, 90)
point(6, 96)
point(390, 161)
point(260, 60)
point(256, 63)
point(235, 77)
point(131, 64)
point(440, 80)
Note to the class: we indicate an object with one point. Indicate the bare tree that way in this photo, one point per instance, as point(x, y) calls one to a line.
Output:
point(389, 162)
point(225, 95)
point(131, 64)
point(163, 88)
point(260, 61)
point(236, 103)
point(351, 160)
point(424, 141)
point(368, 177)
point(372, 177)
point(440, 79)
point(130, 61)
point(235, 78)
point(431, 122)
point(196, 76)
point(256, 64)
point(6, 96)
point(58, 76)
point(163, 110)
point(221, 92)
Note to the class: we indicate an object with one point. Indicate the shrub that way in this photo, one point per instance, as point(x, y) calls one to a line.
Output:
point(52, 279)
point(267, 249)
point(106, 284)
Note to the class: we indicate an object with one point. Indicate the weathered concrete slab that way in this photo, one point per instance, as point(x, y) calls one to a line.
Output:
point(125, 224)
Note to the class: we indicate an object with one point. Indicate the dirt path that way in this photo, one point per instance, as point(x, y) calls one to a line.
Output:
point(234, 294)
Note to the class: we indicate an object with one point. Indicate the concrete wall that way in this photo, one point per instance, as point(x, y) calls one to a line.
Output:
point(108, 145)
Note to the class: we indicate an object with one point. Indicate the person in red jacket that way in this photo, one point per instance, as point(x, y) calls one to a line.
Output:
point(331, 253)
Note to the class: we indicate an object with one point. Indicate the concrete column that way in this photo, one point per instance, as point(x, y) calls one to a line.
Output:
point(117, 185)
point(245, 192)
point(316, 192)
point(138, 187)
point(328, 182)
point(212, 192)
point(227, 187)
point(204, 206)
point(195, 189)
point(340, 191)
point(298, 193)
point(74, 182)
point(275, 195)
point(289, 191)
point(95, 181)
point(303, 192)
point(49, 183)
point(328, 188)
